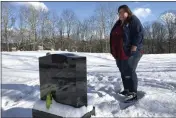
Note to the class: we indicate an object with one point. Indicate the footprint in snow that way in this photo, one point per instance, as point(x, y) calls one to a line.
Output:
point(6, 103)
point(111, 78)
point(100, 78)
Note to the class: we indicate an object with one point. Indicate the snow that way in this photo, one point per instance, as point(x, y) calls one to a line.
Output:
point(156, 73)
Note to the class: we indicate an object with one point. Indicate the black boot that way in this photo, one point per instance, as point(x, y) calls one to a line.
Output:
point(125, 92)
point(132, 96)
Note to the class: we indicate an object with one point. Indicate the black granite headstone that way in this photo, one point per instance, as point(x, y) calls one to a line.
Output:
point(65, 76)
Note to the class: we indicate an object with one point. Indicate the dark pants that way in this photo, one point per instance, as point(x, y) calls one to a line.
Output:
point(127, 69)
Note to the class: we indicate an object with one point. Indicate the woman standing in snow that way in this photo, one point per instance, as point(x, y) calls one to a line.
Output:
point(126, 42)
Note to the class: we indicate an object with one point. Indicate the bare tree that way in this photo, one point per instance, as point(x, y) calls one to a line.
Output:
point(169, 19)
point(148, 37)
point(60, 27)
point(101, 19)
point(8, 21)
point(111, 16)
point(78, 31)
point(44, 18)
point(22, 24)
point(22, 35)
point(111, 13)
point(89, 32)
point(159, 33)
point(69, 20)
point(33, 23)
point(49, 33)
point(92, 27)
point(84, 29)
point(105, 17)
point(54, 21)
point(100, 15)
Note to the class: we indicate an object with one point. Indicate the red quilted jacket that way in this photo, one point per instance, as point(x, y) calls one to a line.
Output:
point(117, 44)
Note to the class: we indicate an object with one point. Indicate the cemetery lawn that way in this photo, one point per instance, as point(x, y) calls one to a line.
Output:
point(156, 74)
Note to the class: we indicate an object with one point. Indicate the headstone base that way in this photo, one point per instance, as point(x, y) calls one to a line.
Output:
point(58, 110)
point(42, 114)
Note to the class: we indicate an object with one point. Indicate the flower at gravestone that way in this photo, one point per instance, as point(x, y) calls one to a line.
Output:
point(48, 100)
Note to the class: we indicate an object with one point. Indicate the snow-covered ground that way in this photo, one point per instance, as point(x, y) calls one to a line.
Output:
point(156, 73)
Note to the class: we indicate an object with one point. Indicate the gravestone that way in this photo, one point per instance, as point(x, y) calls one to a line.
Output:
point(40, 48)
point(65, 76)
point(13, 49)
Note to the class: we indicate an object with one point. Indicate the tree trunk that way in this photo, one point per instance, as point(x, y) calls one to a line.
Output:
point(170, 45)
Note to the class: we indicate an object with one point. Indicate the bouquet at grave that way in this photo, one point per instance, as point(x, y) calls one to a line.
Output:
point(48, 100)
point(49, 96)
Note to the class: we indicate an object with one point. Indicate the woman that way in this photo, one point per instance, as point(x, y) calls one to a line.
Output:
point(126, 42)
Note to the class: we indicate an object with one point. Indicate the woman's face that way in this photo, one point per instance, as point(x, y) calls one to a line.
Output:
point(122, 14)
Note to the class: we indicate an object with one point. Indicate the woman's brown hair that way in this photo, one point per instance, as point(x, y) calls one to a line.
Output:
point(126, 9)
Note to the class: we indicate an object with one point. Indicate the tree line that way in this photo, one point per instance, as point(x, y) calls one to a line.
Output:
point(65, 31)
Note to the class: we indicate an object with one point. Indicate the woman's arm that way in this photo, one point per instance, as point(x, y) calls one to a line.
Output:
point(137, 33)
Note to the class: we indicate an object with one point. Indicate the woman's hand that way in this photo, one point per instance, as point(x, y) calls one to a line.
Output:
point(133, 48)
